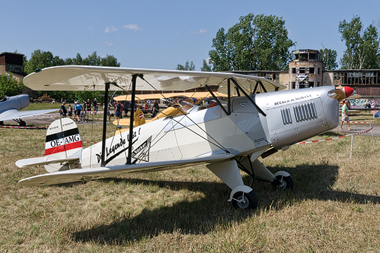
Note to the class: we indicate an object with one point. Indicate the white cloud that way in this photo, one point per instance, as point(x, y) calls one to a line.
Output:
point(108, 43)
point(110, 29)
point(200, 31)
point(132, 27)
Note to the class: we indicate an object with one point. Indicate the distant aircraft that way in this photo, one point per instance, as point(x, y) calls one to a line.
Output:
point(10, 106)
point(226, 137)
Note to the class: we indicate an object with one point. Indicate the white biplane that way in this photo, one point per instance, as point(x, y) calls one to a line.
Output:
point(226, 137)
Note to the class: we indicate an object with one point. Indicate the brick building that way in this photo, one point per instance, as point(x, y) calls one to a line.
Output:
point(12, 63)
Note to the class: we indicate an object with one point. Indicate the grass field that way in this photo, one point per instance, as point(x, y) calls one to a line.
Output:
point(334, 206)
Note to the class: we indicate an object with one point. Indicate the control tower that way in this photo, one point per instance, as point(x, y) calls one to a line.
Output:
point(305, 70)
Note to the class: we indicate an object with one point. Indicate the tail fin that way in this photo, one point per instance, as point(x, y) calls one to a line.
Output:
point(62, 141)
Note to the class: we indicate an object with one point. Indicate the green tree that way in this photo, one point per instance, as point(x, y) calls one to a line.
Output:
point(206, 67)
point(188, 66)
point(255, 43)
point(328, 57)
point(110, 61)
point(220, 57)
point(10, 86)
point(362, 48)
point(41, 59)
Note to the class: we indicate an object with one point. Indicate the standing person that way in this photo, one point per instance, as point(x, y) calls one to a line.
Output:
point(88, 106)
point(155, 108)
point(127, 105)
point(75, 110)
point(345, 118)
point(78, 110)
point(63, 110)
point(70, 111)
point(118, 110)
point(95, 106)
point(109, 112)
point(121, 109)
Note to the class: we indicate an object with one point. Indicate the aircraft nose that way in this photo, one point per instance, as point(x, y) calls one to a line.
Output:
point(341, 94)
point(348, 91)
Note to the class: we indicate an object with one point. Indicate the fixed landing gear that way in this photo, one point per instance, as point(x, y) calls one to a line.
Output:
point(282, 181)
point(245, 201)
point(242, 196)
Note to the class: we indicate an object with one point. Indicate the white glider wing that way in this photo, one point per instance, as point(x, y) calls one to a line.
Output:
point(15, 114)
point(91, 78)
point(85, 175)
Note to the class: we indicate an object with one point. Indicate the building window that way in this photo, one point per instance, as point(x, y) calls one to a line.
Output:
point(318, 84)
point(302, 85)
point(319, 70)
point(302, 70)
point(311, 84)
point(312, 56)
point(311, 70)
point(293, 85)
point(294, 71)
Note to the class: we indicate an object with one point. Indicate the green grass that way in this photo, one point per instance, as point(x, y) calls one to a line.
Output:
point(42, 106)
point(334, 206)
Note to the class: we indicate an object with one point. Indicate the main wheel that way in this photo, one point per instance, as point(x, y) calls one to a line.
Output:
point(283, 183)
point(243, 200)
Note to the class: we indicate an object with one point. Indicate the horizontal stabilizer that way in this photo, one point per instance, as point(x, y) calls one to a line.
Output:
point(85, 175)
point(25, 163)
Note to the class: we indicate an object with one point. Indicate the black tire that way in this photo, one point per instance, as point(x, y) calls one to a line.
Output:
point(250, 200)
point(288, 181)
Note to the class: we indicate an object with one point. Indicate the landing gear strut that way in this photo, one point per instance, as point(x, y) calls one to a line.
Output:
point(283, 181)
point(246, 201)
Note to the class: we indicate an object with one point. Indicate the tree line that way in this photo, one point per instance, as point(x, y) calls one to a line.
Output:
point(259, 42)
point(43, 59)
point(256, 42)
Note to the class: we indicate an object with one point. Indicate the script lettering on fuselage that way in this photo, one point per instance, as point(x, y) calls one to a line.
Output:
point(291, 100)
point(115, 149)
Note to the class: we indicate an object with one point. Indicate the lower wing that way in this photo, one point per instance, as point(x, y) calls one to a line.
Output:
point(84, 175)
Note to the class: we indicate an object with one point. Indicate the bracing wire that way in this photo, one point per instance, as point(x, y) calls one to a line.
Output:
point(217, 143)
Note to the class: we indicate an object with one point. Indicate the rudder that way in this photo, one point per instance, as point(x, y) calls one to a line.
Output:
point(62, 141)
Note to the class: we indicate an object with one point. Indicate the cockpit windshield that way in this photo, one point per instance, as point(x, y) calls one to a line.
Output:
point(186, 106)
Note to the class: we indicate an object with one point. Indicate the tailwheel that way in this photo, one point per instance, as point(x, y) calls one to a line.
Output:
point(283, 181)
point(245, 201)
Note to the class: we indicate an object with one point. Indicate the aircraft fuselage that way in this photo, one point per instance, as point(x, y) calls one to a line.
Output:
point(14, 102)
point(291, 116)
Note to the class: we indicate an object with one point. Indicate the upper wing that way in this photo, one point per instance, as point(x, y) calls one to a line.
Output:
point(15, 114)
point(88, 174)
point(91, 78)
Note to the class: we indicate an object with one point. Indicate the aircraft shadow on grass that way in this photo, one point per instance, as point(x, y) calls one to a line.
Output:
point(204, 215)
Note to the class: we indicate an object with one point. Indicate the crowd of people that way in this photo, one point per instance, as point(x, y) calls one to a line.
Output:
point(120, 107)
point(79, 110)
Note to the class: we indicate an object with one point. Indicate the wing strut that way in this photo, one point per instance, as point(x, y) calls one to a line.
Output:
point(229, 96)
point(245, 94)
point(105, 124)
point(261, 85)
point(217, 100)
point(131, 119)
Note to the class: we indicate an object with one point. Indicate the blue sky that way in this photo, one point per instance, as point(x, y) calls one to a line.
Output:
point(162, 34)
